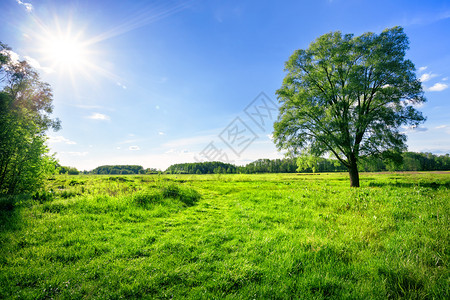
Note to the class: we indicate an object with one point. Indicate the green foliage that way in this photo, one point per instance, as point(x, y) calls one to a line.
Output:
point(151, 197)
point(265, 236)
point(67, 170)
point(209, 167)
point(307, 162)
point(25, 108)
point(185, 194)
point(148, 198)
point(348, 96)
point(118, 169)
point(286, 165)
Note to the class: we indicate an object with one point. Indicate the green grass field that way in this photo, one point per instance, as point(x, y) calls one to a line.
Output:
point(277, 236)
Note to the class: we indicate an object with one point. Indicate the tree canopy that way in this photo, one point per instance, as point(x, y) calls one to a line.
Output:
point(348, 97)
point(25, 108)
point(119, 169)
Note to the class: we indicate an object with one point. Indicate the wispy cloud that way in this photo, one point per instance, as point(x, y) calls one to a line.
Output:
point(437, 87)
point(426, 76)
point(121, 85)
point(60, 139)
point(98, 116)
point(426, 18)
point(134, 148)
point(144, 17)
point(131, 141)
point(35, 64)
point(441, 126)
point(161, 133)
point(15, 58)
point(28, 6)
point(421, 69)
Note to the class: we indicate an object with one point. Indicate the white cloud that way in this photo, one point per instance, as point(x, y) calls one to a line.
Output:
point(134, 148)
point(131, 141)
point(426, 76)
point(98, 116)
point(35, 64)
point(421, 69)
point(60, 139)
point(122, 85)
point(27, 6)
point(441, 126)
point(15, 59)
point(161, 133)
point(445, 79)
point(437, 87)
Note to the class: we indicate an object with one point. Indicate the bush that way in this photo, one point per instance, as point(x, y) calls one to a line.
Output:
point(145, 198)
point(186, 195)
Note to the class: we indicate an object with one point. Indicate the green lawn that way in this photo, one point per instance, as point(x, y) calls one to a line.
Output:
point(274, 236)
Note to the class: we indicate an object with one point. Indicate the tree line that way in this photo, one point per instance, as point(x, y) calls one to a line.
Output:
point(108, 170)
point(411, 161)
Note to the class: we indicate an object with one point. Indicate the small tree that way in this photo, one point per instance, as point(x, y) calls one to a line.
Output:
point(347, 96)
point(25, 106)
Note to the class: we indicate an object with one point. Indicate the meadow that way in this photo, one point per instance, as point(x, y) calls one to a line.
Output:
point(268, 236)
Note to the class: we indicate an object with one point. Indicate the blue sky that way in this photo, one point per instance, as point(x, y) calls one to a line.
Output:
point(161, 82)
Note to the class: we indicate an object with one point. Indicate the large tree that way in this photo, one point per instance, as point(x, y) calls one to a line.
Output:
point(25, 108)
point(349, 96)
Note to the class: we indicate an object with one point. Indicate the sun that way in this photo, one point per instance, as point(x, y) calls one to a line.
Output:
point(65, 52)
point(64, 49)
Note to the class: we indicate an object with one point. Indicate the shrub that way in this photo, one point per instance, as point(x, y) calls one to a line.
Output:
point(145, 198)
point(186, 195)
point(43, 196)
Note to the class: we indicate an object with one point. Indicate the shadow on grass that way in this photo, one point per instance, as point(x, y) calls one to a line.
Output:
point(433, 185)
point(10, 218)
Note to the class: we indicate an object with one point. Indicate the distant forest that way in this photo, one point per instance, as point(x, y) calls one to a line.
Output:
point(412, 161)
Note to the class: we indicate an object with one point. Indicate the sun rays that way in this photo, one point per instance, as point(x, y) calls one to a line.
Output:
point(68, 49)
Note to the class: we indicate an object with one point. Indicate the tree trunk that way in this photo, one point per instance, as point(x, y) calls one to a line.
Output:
point(354, 175)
